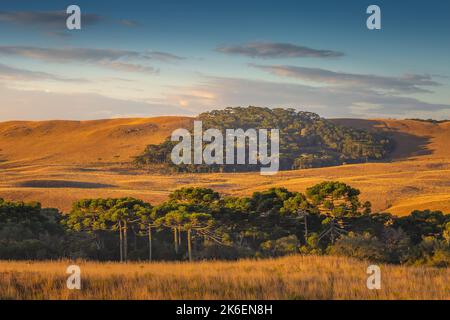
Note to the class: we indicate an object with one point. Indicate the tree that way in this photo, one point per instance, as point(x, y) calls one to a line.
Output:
point(299, 208)
point(89, 215)
point(335, 198)
point(28, 231)
point(306, 140)
point(112, 214)
point(194, 196)
point(123, 213)
point(199, 222)
point(147, 218)
point(268, 223)
point(270, 201)
point(182, 220)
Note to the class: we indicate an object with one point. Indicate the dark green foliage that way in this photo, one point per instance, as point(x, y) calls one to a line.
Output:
point(306, 140)
point(194, 196)
point(424, 224)
point(280, 247)
point(199, 223)
point(364, 246)
point(335, 198)
point(29, 232)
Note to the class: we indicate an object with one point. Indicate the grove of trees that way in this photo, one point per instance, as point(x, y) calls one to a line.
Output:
point(199, 223)
point(306, 140)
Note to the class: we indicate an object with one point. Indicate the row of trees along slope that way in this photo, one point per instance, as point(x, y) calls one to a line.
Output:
point(306, 140)
point(199, 223)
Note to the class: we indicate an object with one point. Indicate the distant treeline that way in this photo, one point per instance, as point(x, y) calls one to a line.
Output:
point(199, 223)
point(306, 140)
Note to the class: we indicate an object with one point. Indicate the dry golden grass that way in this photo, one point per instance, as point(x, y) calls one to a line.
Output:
point(397, 187)
point(82, 142)
point(295, 277)
point(57, 163)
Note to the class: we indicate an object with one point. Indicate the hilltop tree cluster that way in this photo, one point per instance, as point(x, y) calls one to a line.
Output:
point(306, 140)
point(199, 223)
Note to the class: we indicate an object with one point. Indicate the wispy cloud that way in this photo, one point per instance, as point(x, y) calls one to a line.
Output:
point(9, 74)
point(408, 83)
point(129, 67)
point(123, 60)
point(39, 105)
point(129, 23)
point(53, 23)
point(68, 54)
point(44, 19)
point(162, 56)
point(277, 50)
point(328, 101)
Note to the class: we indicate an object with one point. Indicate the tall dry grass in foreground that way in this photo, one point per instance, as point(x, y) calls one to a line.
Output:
point(293, 277)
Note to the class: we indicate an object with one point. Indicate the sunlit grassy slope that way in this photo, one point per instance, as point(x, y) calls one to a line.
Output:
point(57, 162)
point(295, 277)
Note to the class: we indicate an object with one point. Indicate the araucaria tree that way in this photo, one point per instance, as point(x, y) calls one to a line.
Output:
point(336, 200)
point(125, 213)
point(94, 215)
point(327, 219)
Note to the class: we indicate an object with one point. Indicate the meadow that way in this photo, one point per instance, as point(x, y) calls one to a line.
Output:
point(59, 162)
point(293, 277)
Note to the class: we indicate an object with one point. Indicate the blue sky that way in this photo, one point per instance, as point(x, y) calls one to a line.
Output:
point(144, 58)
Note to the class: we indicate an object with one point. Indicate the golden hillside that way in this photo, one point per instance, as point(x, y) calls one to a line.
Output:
point(413, 138)
point(82, 142)
point(57, 162)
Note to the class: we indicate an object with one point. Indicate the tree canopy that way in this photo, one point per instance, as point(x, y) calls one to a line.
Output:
point(200, 223)
point(306, 140)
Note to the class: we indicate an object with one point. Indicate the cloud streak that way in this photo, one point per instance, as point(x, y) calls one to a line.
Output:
point(129, 67)
point(121, 60)
point(38, 105)
point(44, 19)
point(408, 83)
point(8, 73)
point(327, 101)
point(269, 50)
point(129, 23)
point(53, 23)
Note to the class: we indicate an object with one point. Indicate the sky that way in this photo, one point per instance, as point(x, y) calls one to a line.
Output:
point(148, 58)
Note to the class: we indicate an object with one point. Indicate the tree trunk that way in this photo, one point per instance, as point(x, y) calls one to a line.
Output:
point(189, 244)
point(175, 239)
point(120, 242)
point(150, 242)
point(306, 229)
point(179, 237)
point(125, 242)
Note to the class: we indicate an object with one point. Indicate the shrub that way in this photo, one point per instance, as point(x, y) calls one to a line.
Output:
point(363, 247)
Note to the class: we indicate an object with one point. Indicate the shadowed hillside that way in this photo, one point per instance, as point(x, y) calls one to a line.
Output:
point(413, 138)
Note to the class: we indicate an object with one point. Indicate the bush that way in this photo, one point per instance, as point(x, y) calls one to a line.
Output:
point(280, 247)
point(363, 247)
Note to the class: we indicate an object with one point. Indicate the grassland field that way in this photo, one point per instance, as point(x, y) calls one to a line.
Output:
point(287, 278)
point(58, 162)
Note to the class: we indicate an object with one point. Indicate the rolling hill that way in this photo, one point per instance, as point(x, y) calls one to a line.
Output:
point(57, 162)
point(81, 142)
